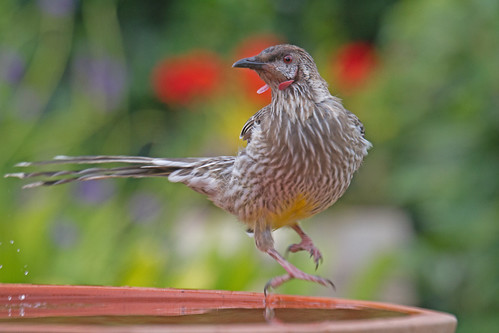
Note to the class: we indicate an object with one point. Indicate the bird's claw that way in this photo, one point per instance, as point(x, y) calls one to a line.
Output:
point(279, 280)
point(266, 289)
point(310, 248)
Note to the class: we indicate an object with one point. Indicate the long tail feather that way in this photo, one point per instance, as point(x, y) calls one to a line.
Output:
point(200, 174)
point(89, 171)
point(148, 167)
point(62, 159)
point(132, 173)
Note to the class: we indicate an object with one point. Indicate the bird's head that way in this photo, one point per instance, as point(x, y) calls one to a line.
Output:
point(283, 66)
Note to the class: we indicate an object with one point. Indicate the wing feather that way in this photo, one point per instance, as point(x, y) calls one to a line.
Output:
point(250, 124)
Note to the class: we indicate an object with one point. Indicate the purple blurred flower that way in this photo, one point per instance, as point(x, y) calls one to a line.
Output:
point(11, 66)
point(57, 7)
point(144, 207)
point(28, 102)
point(95, 191)
point(104, 78)
point(64, 233)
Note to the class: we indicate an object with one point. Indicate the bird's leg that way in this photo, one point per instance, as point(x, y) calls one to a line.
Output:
point(306, 244)
point(265, 243)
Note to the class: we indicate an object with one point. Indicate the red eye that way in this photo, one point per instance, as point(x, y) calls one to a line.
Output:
point(287, 59)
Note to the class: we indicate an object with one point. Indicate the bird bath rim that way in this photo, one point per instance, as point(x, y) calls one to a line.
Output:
point(32, 308)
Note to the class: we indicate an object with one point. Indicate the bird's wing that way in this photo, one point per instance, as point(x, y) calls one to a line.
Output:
point(255, 119)
point(356, 121)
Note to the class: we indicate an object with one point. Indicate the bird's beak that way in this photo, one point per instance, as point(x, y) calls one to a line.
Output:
point(251, 63)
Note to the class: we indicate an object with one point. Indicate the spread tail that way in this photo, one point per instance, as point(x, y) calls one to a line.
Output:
point(140, 167)
point(203, 175)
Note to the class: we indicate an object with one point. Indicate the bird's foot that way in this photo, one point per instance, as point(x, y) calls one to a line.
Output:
point(296, 274)
point(306, 244)
point(264, 242)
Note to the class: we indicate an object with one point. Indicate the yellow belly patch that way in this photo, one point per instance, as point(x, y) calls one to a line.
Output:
point(299, 208)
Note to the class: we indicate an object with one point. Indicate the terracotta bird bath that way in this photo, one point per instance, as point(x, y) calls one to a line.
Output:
point(50, 308)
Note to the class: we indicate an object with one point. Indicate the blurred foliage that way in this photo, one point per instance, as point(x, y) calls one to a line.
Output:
point(81, 77)
point(440, 91)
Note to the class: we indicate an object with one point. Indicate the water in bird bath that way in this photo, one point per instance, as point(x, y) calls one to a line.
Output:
point(204, 317)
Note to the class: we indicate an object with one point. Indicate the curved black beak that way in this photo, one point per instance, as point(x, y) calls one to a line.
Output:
point(251, 63)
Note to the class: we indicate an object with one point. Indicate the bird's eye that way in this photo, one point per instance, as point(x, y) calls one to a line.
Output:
point(287, 59)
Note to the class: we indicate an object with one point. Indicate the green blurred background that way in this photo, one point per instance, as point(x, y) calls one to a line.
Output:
point(154, 78)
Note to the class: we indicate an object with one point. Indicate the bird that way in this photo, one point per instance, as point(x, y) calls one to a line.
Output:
point(301, 153)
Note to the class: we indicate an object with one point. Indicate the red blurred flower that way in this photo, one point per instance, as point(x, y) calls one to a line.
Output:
point(353, 64)
point(251, 81)
point(188, 77)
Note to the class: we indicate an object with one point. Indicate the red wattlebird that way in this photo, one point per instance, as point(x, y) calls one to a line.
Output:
point(302, 151)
